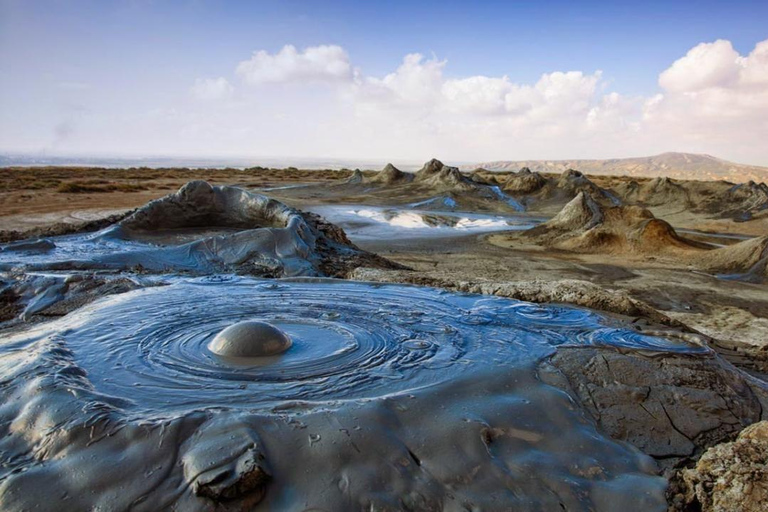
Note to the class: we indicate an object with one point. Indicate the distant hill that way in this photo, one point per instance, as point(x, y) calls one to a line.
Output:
point(687, 166)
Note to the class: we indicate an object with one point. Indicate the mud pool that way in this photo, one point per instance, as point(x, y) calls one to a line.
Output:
point(350, 341)
point(391, 368)
point(383, 223)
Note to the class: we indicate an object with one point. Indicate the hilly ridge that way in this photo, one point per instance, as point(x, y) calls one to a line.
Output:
point(688, 166)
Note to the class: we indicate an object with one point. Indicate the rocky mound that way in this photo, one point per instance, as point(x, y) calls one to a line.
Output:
point(730, 476)
point(356, 178)
point(483, 177)
point(584, 225)
point(746, 261)
point(524, 182)
point(442, 177)
point(658, 191)
point(742, 201)
point(230, 230)
point(573, 182)
point(391, 175)
point(717, 198)
point(532, 187)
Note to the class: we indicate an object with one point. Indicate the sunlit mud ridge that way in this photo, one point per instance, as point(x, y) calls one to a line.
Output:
point(403, 378)
point(739, 201)
point(203, 229)
point(584, 226)
point(435, 185)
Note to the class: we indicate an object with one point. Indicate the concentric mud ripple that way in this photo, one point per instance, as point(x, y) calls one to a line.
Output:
point(350, 340)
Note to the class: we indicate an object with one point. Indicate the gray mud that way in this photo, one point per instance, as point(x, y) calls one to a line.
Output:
point(407, 397)
point(154, 391)
point(201, 229)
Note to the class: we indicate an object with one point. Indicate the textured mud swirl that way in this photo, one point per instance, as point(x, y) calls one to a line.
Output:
point(350, 340)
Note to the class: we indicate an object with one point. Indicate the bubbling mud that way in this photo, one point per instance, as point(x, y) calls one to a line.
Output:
point(389, 397)
point(250, 339)
point(161, 348)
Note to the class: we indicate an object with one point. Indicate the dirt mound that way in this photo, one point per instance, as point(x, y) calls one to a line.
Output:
point(718, 198)
point(658, 191)
point(532, 188)
point(583, 225)
point(442, 177)
point(356, 178)
point(730, 476)
point(524, 182)
point(391, 175)
point(571, 182)
point(747, 260)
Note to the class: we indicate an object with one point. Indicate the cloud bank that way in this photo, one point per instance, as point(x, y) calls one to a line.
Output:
point(710, 100)
point(319, 102)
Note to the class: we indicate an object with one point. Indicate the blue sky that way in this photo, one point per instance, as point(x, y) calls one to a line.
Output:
point(73, 71)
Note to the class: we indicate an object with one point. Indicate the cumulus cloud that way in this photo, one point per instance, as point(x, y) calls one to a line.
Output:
point(705, 65)
point(209, 89)
point(418, 91)
point(420, 82)
point(316, 63)
point(711, 100)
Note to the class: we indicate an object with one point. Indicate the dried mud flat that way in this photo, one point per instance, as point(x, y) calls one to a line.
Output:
point(418, 398)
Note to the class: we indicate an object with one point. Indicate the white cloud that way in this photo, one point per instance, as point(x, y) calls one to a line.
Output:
point(711, 100)
point(705, 65)
point(209, 89)
point(316, 63)
point(714, 101)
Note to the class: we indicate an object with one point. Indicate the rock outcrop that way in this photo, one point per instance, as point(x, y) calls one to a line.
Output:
point(730, 477)
point(672, 408)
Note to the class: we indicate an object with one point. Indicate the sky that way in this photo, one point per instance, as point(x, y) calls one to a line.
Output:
point(394, 80)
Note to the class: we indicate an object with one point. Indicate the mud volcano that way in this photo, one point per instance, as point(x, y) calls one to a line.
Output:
point(203, 229)
point(390, 397)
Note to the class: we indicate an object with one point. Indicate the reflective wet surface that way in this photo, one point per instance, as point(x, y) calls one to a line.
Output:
point(350, 340)
point(381, 223)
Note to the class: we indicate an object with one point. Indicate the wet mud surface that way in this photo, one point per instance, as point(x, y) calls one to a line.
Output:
point(370, 223)
point(375, 373)
point(121, 390)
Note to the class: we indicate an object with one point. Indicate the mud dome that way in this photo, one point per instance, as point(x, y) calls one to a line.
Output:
point(391, 397)
point(250, 339)
point(202, 229)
